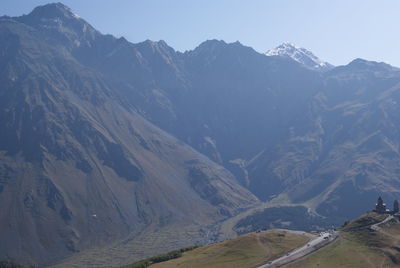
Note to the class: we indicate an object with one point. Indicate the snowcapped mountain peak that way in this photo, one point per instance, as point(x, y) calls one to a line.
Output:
point(299, 54)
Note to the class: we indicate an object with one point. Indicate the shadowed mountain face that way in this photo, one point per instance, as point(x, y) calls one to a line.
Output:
point(102, 138)
point(326, 140)
point(343, 149)
point(79, 167)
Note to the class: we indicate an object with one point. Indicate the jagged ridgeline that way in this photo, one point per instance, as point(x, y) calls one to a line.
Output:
point(80, 166)
point(103, 140)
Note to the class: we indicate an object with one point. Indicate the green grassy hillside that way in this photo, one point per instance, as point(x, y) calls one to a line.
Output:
point(359, 246)
point(244, 251)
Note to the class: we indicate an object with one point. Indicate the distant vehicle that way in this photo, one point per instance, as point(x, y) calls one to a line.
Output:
point(326, 237)
point(270, 262)
point(308, 245)
point(288, 254)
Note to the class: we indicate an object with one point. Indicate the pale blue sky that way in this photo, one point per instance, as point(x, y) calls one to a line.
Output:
point(336, 31)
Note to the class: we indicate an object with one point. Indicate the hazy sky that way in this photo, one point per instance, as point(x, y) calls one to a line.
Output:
point(337, 31)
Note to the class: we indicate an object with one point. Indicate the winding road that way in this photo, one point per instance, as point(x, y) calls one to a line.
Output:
point(322, 240)
point(376, 227)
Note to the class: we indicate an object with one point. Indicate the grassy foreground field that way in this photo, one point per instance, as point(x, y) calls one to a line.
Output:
point(359, 247)
point(243, 252)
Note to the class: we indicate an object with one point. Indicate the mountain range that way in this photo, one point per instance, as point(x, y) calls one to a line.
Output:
point(109, 143)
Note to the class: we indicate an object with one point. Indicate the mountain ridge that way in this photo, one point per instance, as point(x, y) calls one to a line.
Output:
point(87, 168)
point(105, 136)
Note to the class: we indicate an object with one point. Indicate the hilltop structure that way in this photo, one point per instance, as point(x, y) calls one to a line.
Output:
point(380, 207)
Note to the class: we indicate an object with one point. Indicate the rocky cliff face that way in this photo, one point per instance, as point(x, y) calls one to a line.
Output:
point(343, 149)
point(79, 166)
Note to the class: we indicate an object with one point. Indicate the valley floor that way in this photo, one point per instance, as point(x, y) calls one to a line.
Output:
point(134, 248)
point(372, 240)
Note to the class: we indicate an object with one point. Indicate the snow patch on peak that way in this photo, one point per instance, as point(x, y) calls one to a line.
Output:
point(299, 54)
point(76, 16)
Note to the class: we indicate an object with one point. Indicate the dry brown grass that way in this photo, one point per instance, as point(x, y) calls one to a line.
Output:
point(361, 248)
point(245, 251)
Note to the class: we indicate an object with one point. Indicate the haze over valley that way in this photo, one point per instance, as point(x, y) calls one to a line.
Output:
point(113, 151)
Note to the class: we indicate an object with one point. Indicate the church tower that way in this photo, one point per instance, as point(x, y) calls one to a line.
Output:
point(380, 206)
